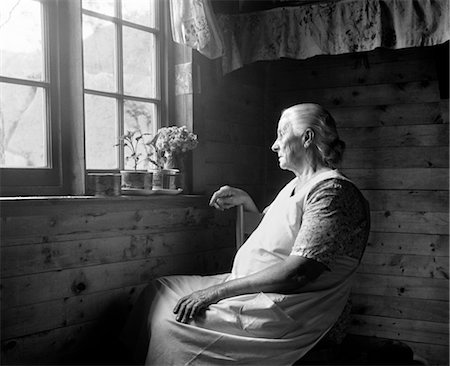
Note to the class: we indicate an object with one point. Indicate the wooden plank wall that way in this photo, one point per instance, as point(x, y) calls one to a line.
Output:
point(229, 115)
point(389, 111)
point(71, 269)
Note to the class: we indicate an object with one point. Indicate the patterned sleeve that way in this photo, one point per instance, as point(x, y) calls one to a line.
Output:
point(335, 222)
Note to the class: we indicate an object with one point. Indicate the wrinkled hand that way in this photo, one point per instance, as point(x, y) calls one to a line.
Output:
point(190, 306)
point(227, 197)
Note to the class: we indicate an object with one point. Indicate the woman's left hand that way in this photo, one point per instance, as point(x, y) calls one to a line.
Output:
point(191, 305)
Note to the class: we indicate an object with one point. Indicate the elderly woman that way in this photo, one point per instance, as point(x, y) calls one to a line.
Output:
point(290, 280)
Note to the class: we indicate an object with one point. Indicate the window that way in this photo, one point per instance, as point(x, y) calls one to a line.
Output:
point(28, 100)
point(74, 76)
point(121, 41)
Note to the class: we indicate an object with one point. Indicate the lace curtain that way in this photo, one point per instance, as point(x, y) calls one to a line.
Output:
point(194, 25)
point(300, 32)
point(304, 31)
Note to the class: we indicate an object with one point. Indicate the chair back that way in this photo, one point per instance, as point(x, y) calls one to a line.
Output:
point(246, 223)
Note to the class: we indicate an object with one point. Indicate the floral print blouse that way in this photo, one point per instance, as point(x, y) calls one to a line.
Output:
point(335, 222)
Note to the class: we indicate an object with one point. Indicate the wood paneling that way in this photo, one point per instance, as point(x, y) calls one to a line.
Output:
point(316, 76)
point(396, 157)
point(72, 268)
point(407, 243)
point(391, 114)
point(413, 330)
point(398, 307)
point(384, 94)
point(402, 286)
point(404, 179)
point(404, 200)
point(388, 110)
point(396, 136)
point(405, 265)
point(230, 115)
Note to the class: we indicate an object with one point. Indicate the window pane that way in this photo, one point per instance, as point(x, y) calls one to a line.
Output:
point(99, 54)
point(21, 39)
point(23, 127)
point(101, 132)
point(100, 6)
point(139, 63)
point(139, 116)
point(140, 12)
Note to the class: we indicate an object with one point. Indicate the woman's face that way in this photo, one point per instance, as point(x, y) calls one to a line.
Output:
point(288, 146)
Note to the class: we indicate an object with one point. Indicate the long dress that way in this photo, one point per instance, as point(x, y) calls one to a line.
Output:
point(326, 220)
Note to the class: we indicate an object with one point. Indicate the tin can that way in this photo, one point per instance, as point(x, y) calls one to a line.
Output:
point(157, 179)
point(171, 178)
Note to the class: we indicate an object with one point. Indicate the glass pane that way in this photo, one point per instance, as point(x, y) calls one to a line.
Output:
point(141, 117)
point(140, 12)
point(101, 132)
point(100, 6)
point(21, 45)
point(139, 63)
point(23, 127)
point(99, 54)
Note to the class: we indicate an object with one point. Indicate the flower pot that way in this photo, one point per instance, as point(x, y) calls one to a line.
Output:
point(157, 178)
point(171, 178)
point(133, 179)
point(104, 184)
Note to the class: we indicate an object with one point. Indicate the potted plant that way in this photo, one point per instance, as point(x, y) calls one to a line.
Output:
point(167, 150)
point(135, 150)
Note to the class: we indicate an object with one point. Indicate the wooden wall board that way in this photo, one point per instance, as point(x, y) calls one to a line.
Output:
point(379, 55)
point(435, 112)
point(232, 111)
point(401, 329)
point(410, 222)
point(27, 289)
point(231, 133)
point(405, 265)
point(68, 223)
point(396, 136)
point(407, 243)
point(407, 287)
point(396, 157)
point(220, 152)
point(407, 200)
point(233, 174)
point(385, 94)
point(405, 179)
point(428, 179)
point(399, 307)
point(49, 347)
point(30, 319)
point(16, 206)
point(293, 77)
point(51, 256)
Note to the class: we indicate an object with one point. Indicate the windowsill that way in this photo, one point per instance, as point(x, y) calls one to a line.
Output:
point(156, 200)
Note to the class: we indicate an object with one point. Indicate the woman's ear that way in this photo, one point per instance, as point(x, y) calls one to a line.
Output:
point(308, 137)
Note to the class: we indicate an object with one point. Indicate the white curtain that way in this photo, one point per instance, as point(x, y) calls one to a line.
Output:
point(194, 25)
point(332, 28)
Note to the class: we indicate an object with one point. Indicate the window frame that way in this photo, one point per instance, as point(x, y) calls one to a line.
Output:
point(47, 179)
point(160, 101)
point(66, 174)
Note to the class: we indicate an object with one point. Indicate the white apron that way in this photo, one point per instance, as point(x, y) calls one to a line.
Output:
point(252, 329)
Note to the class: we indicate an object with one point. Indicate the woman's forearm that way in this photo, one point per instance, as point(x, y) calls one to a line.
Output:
point(286, 277)
point(249, 205)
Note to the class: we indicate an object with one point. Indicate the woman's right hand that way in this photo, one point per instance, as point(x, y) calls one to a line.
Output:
point(227, 197)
